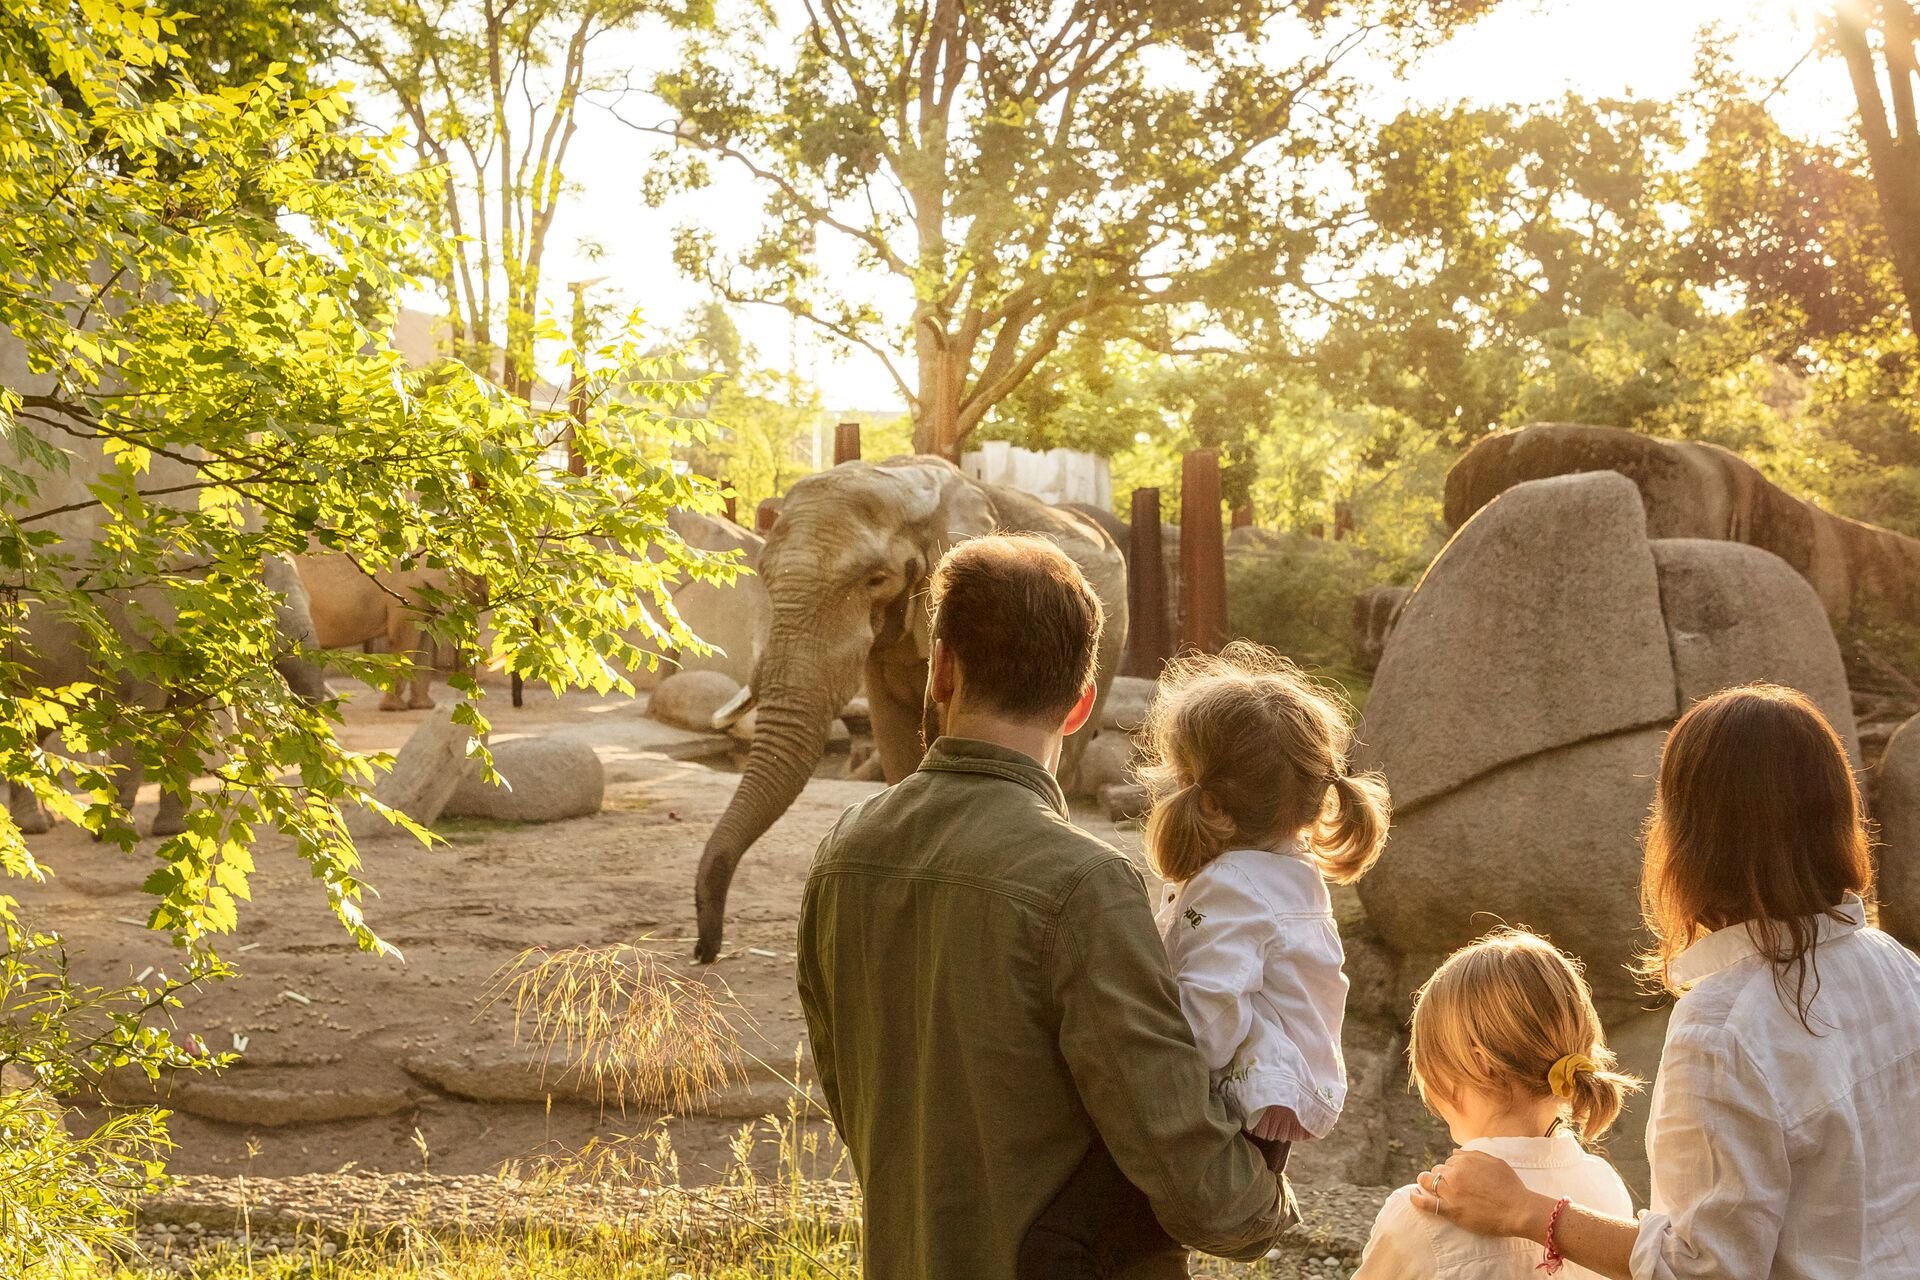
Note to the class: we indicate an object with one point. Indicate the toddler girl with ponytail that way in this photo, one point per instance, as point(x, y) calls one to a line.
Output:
point(1508, 1050)
point(1254, 811)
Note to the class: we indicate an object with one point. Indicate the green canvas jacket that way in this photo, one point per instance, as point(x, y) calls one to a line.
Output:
point(985, 992)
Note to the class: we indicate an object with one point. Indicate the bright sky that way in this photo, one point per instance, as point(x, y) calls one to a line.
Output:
point(1529, 51)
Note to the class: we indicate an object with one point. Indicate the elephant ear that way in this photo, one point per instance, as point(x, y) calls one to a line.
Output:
point(921, 496)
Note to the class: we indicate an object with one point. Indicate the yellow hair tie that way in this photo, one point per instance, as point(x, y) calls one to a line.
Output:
point(1560, 1079)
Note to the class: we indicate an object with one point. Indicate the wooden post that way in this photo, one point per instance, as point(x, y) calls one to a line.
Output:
point(1203, 553)
point(1243, 516)
point(731, 499)
point(1342, 521)
point(1149, 639)
point(846, 443)
point(765, 514)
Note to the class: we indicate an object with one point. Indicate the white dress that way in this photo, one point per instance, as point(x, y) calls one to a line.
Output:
point(1256, 954)
point(1410, 1244)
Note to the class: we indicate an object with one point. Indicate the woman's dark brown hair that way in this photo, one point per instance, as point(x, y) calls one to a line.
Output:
point(1756, 821)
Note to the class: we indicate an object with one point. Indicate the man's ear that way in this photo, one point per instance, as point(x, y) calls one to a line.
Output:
point(1081, 710)
point(941, 675)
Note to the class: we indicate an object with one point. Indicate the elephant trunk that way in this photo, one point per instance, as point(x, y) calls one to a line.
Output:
point(794, 710)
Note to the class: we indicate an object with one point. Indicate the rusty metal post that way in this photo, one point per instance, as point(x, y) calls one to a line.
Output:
point(1149, 638)
point(765, 514)
point(1203, 553)
point(1243, 516)
point(846, 443)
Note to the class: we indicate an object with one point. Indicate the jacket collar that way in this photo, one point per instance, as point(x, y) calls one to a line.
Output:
point(970, 755)
point(1726, 947)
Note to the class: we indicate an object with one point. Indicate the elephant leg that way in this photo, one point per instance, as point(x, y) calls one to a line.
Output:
point(403, 636)
point(27, 812)
point(895, 695)
point(25, 808)
point(172, 818)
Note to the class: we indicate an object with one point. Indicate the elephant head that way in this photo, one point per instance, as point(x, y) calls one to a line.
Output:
point(845, 570)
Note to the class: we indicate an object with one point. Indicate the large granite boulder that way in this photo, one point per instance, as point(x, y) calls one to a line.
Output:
point(546, 780)
point(1522, 700)
point(688, 699)
point(427, 770)
point(1694, 490)
point(731, 617)
point(1897, 808)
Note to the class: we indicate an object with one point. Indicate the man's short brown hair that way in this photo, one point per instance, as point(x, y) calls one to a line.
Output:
point(1020, 619)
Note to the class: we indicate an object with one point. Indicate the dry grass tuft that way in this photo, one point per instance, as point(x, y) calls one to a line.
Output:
point(624, 1019)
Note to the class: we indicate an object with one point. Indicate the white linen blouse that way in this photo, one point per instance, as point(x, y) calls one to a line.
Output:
point(1409, 1244)
point(1780, 1153)
point(1257, 958)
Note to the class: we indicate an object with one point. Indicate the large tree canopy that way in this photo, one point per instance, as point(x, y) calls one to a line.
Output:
point(1019, 173)
point(191, 386)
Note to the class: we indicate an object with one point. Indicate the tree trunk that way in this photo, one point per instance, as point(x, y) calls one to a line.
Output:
point(936, 424)
point(1893, 145)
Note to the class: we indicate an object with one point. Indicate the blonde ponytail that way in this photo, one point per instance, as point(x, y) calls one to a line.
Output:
point(1347, 841)
point(1185, 832)
point(1598, 1094)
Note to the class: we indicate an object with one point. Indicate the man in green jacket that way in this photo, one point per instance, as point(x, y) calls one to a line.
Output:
point(987, 997)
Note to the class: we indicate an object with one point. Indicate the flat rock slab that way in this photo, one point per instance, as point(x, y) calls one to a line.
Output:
point(1538, 626)
point(545, 780)
point(234, 1101)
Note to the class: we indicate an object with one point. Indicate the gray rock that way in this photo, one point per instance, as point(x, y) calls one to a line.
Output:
point(688, 699)
point(1108, 759)
point(1127, 703)
point(1125, 802)
point(732, 617)
point(1898, 810)
point(1550, 842)
point(547, 779)
point(1538, 626)
point(426, 773)
point(1736, 614)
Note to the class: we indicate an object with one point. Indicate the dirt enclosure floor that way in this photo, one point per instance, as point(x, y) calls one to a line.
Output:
point(395, 1065)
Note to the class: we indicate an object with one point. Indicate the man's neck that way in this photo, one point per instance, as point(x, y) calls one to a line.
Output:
point(1034, 741)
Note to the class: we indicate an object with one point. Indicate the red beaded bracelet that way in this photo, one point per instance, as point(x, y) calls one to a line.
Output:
point(1554, 1259)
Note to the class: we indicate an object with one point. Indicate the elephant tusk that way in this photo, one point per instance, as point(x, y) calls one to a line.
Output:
point(735, 707)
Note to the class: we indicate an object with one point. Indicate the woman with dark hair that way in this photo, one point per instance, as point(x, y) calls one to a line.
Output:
point(1784, 1139)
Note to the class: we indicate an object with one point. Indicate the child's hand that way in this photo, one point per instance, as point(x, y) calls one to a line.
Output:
point(1279, 1124)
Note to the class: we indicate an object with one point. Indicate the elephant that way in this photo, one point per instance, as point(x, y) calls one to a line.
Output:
point(351, 607)
point(846, 571)
point(56, 655)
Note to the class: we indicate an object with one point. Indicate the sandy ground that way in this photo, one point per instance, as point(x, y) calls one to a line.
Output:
point(395, 1065)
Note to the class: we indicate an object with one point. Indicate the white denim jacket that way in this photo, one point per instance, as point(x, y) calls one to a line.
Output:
point(1780, 1153)
point(1257, 957)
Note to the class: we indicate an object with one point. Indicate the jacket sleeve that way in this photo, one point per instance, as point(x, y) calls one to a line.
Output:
point(819, 1029)
point(1721, 1173)
point(1142, 1081)
point(1218, 948)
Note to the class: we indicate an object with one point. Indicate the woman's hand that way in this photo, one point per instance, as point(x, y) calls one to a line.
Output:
point(1279, 1124)
point(1484, 1195)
